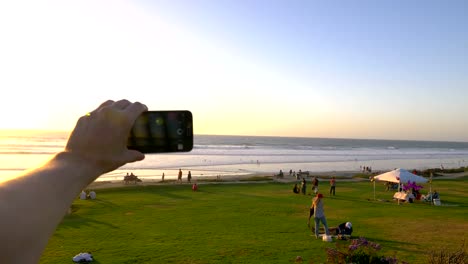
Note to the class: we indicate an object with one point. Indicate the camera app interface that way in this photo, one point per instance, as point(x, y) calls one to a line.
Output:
point(162, 131)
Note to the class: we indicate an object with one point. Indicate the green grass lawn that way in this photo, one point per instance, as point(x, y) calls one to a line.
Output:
point(251, 223)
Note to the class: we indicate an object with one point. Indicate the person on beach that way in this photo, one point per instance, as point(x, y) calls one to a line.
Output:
point(34, 203)
point(319, 215)
point(189, 176)
point(280, 174)
point(332, 185)
point(179, 176)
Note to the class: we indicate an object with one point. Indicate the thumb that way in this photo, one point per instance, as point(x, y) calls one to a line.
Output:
point(133, 155)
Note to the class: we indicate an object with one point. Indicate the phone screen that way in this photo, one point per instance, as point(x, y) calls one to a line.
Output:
point(162, 131)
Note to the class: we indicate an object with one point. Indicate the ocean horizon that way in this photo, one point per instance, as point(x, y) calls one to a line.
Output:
point(221, 155)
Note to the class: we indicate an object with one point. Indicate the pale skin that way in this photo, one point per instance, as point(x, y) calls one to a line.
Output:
point(314, 203)
point(33, 204)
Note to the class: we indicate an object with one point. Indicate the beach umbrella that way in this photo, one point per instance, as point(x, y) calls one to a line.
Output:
point(398, 176)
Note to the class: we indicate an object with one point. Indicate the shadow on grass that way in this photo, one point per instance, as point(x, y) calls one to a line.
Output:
point(201, 190)
point(105, 203)
point(360, 200)
point(77, 221)
point(169, 194)
point(167, 191)
point(391, 244)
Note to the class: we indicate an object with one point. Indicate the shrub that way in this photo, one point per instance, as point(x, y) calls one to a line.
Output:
point(437, 171)
point(444, 256)
point(358, 251)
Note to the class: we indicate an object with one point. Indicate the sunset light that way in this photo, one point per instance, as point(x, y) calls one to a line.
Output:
point(281, 73)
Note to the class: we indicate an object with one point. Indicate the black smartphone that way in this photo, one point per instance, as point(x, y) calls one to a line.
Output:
point(162, 131)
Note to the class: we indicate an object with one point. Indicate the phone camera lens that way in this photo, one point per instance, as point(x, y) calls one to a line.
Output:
point(159, 121)
point(180, 131)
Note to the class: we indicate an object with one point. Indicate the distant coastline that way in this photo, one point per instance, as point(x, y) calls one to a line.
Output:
point(237, 156)
point(337, 138)
point(65, 133)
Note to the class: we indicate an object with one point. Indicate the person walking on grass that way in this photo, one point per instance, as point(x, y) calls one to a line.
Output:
point(189, 176)
point(319, 215)
point(332, 185)
point(315, 184)
point(303, 186)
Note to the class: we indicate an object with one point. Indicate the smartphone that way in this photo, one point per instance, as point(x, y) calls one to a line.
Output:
point(162, 131)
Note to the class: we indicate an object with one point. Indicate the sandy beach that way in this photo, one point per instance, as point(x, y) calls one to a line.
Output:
point(250, 178)
point(253, 178)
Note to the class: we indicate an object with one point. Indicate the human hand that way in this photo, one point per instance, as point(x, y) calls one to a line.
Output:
point(100, 137)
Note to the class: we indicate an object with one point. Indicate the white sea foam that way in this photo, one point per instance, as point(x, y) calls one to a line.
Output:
point(227, 155)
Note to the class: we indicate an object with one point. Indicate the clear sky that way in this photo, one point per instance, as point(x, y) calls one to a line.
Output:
point(348, 69)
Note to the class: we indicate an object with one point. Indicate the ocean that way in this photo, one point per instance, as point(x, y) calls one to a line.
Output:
point(247, 155)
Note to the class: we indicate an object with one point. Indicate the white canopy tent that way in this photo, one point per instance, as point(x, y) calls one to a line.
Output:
point(399, 176)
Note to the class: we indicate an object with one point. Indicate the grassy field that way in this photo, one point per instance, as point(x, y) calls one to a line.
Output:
point(251, 223)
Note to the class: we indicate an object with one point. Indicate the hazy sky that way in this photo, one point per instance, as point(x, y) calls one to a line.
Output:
point(352, 69)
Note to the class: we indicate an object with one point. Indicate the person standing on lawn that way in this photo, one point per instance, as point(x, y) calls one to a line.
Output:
point(319, 215)
point(332, 185)
point(315, 183)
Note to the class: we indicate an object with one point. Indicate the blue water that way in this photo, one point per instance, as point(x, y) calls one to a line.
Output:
point(240, 155)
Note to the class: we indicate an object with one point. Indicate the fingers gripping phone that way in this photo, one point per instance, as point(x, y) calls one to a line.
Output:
point(162, 131)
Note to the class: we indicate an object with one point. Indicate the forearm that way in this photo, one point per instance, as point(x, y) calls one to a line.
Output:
point(33, 204)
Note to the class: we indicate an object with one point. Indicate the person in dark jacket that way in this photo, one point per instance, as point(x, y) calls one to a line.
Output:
point(344, 229)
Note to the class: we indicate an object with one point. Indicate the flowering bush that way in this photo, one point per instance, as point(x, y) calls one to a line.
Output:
point(411, 185)
point(358, 251)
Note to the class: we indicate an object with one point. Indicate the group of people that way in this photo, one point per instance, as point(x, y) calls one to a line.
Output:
point(131, 178)
point(430, 196)
point(315, 183)
point(189, 179)
point(317, 211)
point(391, 186)
point(90, 195)
point(179, 179)
point(365, 169)
point(292, 173)
point(179, 176)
